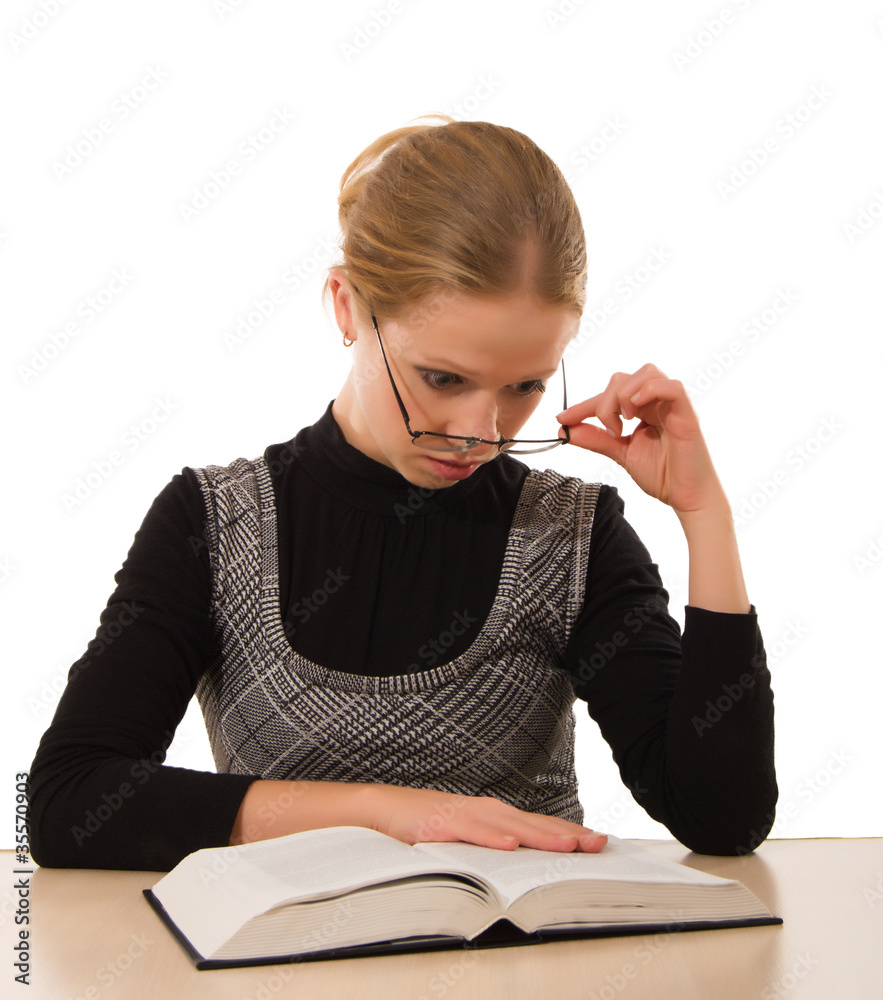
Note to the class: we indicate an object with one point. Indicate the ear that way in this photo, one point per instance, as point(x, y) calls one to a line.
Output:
point(345, 304)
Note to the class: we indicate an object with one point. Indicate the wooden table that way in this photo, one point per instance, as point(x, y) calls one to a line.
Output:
point(94, 936)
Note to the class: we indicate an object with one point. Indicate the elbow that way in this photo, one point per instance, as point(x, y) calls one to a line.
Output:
point(738, 833)
point(44, 850)
point(49, 842)
point(57, 838)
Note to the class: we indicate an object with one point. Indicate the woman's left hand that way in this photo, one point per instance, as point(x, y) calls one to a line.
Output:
point(665, 454)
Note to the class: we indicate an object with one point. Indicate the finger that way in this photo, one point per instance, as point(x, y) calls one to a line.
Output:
point(668, 389)
point(579, 411)
point(604, 407)
point(623, 395)
point(589, 842)
point(613, 403)
point(600, 441)
point(540, 837)
point(631, 383)
point(637, 390)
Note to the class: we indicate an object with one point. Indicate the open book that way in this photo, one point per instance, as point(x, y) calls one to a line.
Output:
point(349, 890)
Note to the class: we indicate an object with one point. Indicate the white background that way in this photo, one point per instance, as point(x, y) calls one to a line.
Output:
point(647, 109)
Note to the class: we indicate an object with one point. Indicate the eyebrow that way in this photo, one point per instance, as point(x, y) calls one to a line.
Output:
point(438, 364)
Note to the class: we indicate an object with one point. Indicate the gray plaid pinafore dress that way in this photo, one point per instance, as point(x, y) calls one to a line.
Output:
point(497, 720)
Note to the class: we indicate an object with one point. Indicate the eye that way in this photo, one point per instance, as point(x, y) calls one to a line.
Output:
point(439, 380)
point(447, 380)
point(528, 388)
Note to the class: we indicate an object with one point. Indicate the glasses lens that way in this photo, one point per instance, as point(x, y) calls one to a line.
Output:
point(432, 442)
point(436, 442)
point(520, 448)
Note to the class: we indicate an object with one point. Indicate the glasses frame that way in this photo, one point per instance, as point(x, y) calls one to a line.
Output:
point(548, 443)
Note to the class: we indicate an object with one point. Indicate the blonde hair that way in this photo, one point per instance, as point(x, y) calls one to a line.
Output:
point(458, 206)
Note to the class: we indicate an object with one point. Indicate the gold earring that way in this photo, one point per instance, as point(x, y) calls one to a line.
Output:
point(346, 341)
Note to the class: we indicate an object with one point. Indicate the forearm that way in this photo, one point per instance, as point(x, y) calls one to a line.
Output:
point(716, 582)
point(691, 729)
point(277, 808)
point(124, 813)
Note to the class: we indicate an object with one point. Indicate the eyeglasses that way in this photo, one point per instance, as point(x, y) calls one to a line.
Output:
point(434, 441)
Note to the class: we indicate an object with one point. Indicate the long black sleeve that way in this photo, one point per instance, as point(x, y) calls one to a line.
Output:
point(689, 720)
point(101, 796)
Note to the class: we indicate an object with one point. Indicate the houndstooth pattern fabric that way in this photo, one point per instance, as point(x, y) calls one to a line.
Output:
point(497, 720)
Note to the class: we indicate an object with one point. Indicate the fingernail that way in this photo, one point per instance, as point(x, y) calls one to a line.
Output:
point(634, 398)
point(508, 837)
point(566, 836)
point(611, 432)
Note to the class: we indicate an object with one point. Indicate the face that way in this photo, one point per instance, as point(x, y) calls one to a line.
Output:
point(466, 365)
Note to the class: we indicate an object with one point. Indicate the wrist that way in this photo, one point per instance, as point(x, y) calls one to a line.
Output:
point(275, 808)
point(716, 581)
point(714, 508)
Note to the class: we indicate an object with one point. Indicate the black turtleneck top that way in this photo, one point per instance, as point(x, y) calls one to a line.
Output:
point(374, 571)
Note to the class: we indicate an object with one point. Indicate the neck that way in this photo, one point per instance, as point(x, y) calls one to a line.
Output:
point(352, 423)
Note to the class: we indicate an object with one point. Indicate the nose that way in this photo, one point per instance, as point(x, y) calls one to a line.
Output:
point(475, 417)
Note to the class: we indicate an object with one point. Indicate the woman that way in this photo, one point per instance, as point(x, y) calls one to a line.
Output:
point(387, 619)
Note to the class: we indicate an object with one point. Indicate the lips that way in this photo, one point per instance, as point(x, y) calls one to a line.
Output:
point(452, 470)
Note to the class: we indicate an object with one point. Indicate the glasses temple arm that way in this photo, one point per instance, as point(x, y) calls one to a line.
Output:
point(399, 400)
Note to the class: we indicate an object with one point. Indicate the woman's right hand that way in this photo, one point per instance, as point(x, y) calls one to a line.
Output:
point(419, 815)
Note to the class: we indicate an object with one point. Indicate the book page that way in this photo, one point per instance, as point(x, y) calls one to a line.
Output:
point(213, 892)
point(514, 873)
